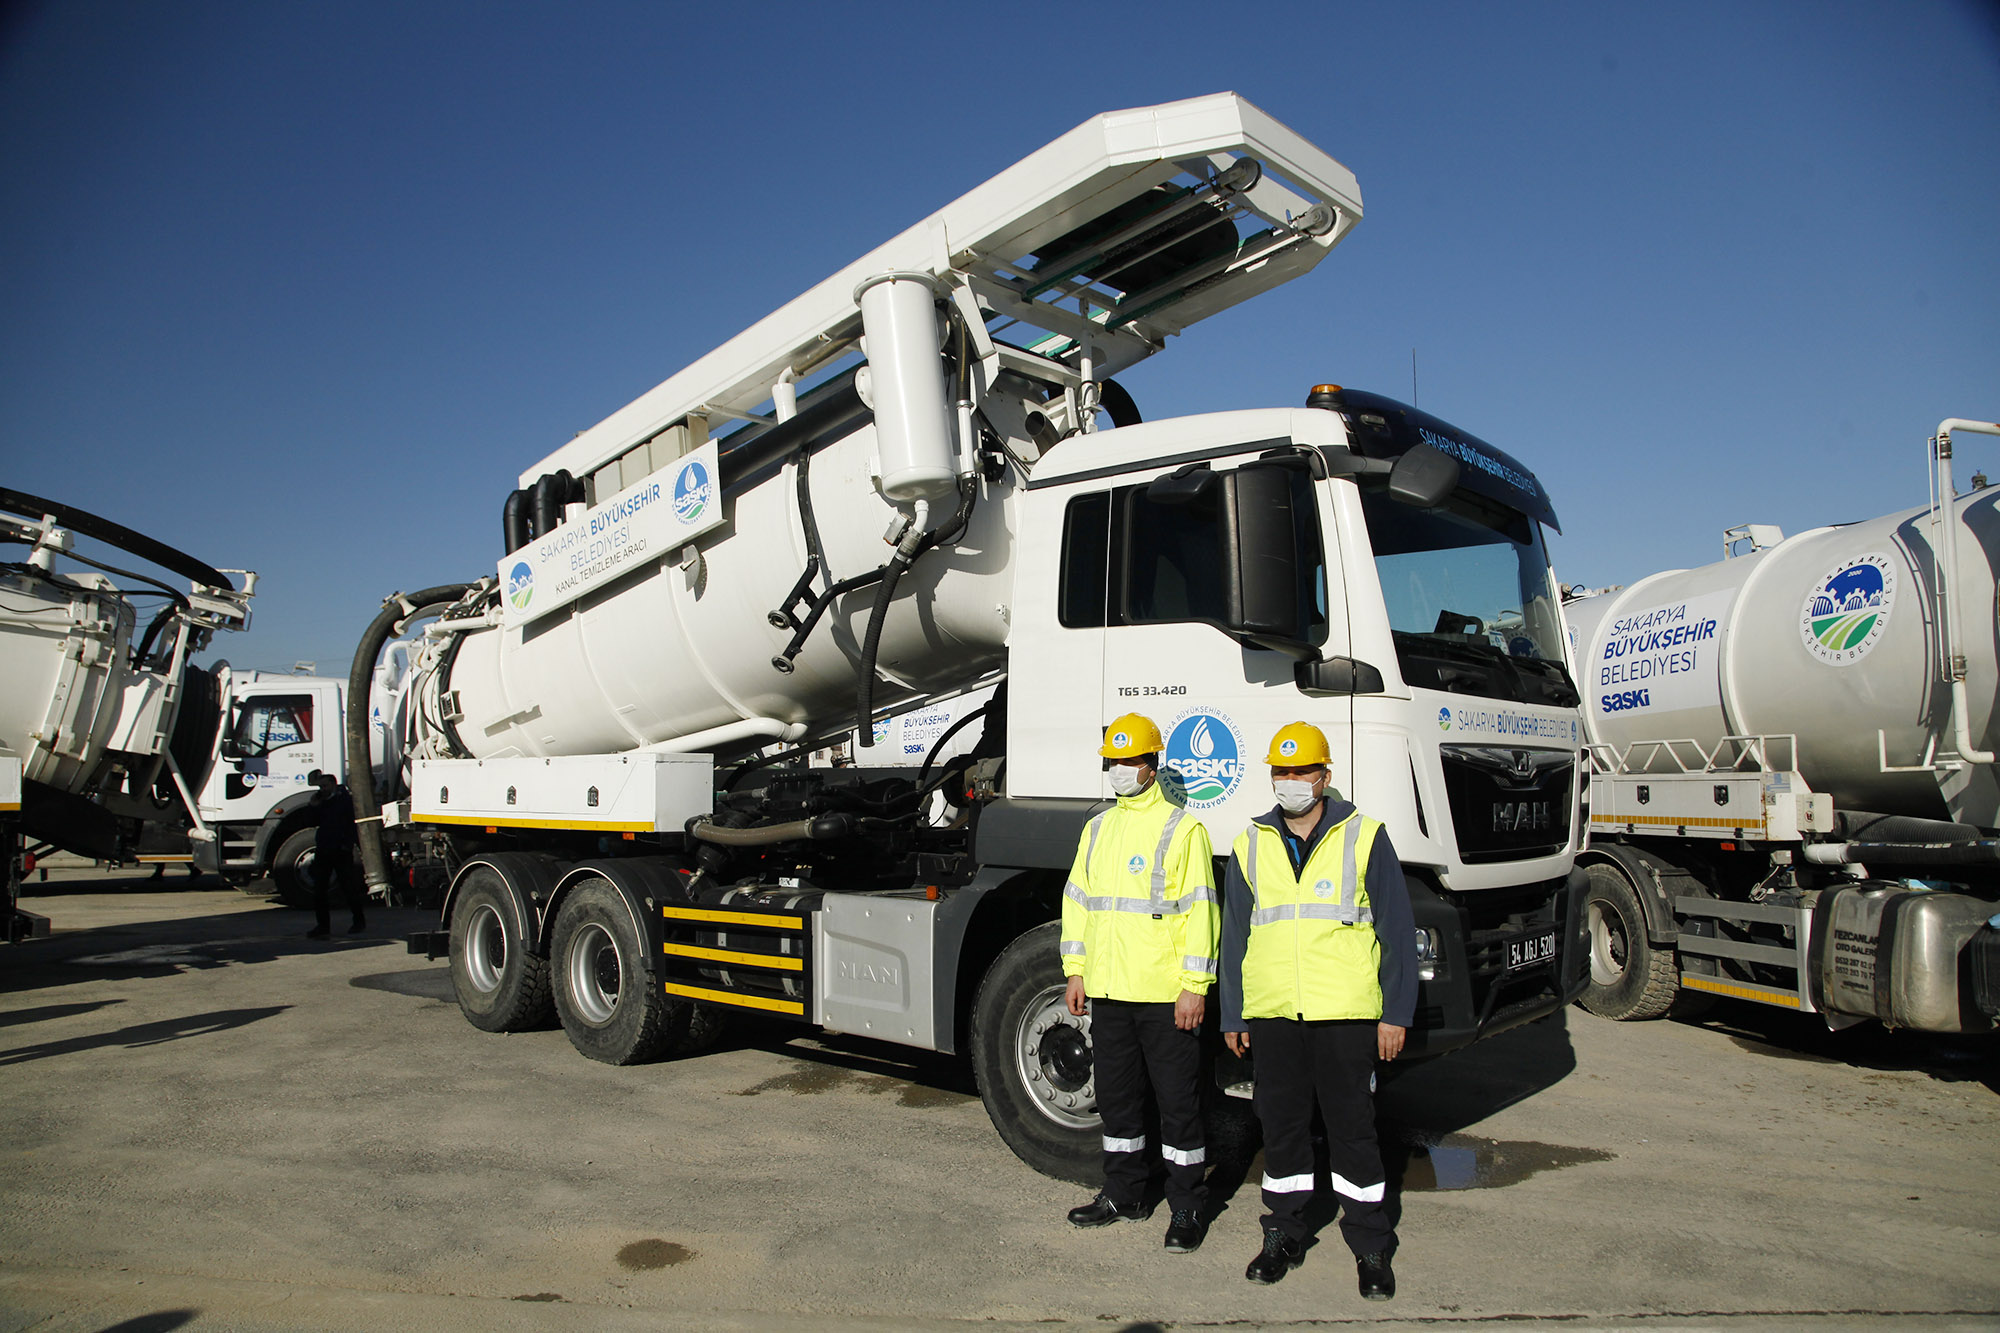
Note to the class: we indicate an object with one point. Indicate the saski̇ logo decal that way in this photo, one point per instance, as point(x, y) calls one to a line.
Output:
point(692, 492)
point(1205, 751)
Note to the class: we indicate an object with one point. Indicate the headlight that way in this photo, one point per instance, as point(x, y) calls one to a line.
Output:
point(1427, 953)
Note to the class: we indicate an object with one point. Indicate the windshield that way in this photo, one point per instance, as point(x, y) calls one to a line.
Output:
point(1469, 598)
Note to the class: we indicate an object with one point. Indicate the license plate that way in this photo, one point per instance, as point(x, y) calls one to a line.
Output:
point(1531, 949)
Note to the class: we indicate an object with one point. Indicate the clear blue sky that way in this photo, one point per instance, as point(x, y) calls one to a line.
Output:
point(302, 288)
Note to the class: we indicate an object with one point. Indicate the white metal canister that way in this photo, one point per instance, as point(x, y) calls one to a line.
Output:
point(1830, 636)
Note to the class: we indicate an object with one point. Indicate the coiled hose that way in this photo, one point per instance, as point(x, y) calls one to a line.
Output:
point(397, 610)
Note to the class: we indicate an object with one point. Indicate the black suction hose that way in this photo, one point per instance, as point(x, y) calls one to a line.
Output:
point(360, 678)
point(914, 544)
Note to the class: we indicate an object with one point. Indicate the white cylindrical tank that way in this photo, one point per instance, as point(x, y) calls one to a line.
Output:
point(676, 650)
point(1830, 636)
point(65, 663)
point(912, 418)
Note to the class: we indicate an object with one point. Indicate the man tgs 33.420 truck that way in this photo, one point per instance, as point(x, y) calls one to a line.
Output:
point(893, 491)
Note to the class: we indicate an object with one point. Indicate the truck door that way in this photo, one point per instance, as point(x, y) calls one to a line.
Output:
point(277, 735)
point(1188, 568)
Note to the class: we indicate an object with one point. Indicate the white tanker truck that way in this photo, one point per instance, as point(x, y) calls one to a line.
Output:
point(1793, 798)
point(100, 732)
point(614, 727)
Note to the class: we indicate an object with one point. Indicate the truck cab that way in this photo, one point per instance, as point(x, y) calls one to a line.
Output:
point(1229, 573)
point(277, 728)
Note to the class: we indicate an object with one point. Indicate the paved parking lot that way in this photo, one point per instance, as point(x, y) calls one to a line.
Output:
point(215, 1123)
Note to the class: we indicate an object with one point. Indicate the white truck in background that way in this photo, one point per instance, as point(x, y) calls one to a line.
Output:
point(101, 724)
point(252, 819)
point(913, 501)
point(1792, 797)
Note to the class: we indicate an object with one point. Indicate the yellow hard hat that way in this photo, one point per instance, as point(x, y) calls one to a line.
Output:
point(1131, 736)
point(1297, 745)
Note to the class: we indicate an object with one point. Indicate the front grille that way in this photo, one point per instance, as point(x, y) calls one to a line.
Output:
point(1508, 804)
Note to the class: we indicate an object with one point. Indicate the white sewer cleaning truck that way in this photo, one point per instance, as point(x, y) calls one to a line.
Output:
point(1793, 799)
point(891, 492)
point(105, 727)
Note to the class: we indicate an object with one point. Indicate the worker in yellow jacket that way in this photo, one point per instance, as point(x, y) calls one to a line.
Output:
point(1319, 979)
point(1139, 921)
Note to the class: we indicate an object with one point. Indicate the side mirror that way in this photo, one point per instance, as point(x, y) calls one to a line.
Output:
point(1336, 676)
point(1423, 477)
point(229, 749)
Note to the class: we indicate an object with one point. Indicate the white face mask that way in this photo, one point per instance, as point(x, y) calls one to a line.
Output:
point(1126, 780)
point(1295, 795)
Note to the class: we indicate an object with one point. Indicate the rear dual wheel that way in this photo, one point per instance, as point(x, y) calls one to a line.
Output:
point(502, 983)
point(609, 1001)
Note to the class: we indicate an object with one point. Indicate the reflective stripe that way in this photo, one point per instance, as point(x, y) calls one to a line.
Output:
point(1072, 946)
point(1076, 892)
point(1123, 1145)
point(1289, 1184)
point(1347, 912)
point(1348, 838)
point(1096, 823)
point(1192, 964)
point(1145, 905)
point(1160, 858)
point(1348, 1189)
point(1184, 1156)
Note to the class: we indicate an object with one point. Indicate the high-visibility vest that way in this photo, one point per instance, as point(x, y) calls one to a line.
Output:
point(1312, 951)
point(1139, 914)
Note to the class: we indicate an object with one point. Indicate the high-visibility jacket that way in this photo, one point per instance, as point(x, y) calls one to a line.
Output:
point(1139, 915)
point(1312, 951)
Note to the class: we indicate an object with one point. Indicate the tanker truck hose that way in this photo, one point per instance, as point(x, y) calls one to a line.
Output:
point(396, 610)
point(1913, 855)
point(914, 544)
point(820, 828)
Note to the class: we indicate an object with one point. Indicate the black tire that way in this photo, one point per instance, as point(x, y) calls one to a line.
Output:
point(609, 1003)
point(1630, 976)
point(1032, 1062)
point(292, 868)
point(501, 983)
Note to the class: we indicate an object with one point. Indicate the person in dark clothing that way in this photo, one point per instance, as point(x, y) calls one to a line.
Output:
point(1319, 977)
point(333, 855)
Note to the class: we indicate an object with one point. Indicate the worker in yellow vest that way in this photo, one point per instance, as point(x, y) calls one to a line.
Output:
point(1319, 978)
point(1139, 920)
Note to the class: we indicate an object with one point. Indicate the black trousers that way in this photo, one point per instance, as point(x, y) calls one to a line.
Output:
point(1134, 1046)
point(327, 867)
point(1334, 1061)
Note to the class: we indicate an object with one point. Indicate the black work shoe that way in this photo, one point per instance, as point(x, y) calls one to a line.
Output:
point(1101, 1212)
point(1185, 1231)
point(317, 933)
point(1377, 1279)
point(1280, 1256)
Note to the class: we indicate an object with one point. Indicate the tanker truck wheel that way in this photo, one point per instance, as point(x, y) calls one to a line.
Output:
point(1630, 976)
point(502, 985)
point(292, 868)
point(1032, 1060)
point(609, 1003)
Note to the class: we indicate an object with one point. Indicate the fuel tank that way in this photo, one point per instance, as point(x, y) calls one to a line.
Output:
point(1830, 636)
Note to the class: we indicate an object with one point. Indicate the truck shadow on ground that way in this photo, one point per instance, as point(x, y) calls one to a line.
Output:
point(1420, 1111)
point(828, 1060)
point(158, 949)
point(1780, 1035)
point(144, 1034)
